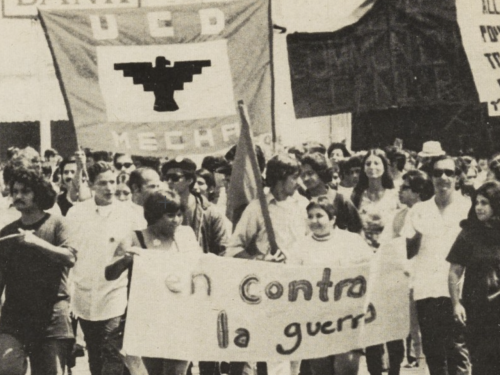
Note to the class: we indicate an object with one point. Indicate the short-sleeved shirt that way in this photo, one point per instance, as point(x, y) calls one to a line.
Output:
point(477, 248)
point(439, 230)
point(36, 287)
point(97, 231)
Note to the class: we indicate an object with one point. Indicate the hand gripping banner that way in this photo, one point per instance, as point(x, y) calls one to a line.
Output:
point(163, 80)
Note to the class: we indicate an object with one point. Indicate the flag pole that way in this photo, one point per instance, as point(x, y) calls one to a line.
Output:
point(245, 127)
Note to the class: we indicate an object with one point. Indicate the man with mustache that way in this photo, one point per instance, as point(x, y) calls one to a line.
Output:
point(67, 169)
point(35, 257)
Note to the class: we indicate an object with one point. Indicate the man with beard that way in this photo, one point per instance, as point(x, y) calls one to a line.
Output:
point(431, 228)
point(34, 266)
point(67, 169)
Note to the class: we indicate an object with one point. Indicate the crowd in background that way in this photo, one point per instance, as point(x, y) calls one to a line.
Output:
point(72, 226)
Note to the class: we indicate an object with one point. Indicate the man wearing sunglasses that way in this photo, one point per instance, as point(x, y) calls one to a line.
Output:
point(431, 229)
point(123, 163)
point(207, 222)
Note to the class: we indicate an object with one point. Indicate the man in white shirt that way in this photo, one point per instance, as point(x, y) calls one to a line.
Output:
point(100, 224)
point(431, 228)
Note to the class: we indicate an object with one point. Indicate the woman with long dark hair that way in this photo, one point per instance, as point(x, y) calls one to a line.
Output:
point(377, 201)
point(374, 195)
point(476, 252)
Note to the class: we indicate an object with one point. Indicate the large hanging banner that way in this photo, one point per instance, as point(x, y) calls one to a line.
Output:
point(479, 23)
point(154, 80)
point(400, 54)
point(209, 308)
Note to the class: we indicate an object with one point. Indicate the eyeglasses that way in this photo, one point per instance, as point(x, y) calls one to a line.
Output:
point(437, 173)
point(121, 165)
point(174, 177)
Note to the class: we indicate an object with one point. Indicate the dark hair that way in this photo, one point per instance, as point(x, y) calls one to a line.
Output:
point(338, 146)
point(324, 205)
point(101, 156)
point(44, 194)
point(98, 168)
point(209, 180)
point(280, 167)
point(65, 162)
point(160, 203)
point(387, 182)
point(122, 178)
point(119, 155)
point(396, 157)
point(313, 146)
point(18, 162)
point(434, 160)
point(491, 191)
point(355, 161)
point(46, 170)
point(420, 183)
point(146, 161)
point(207, 176)
point(186, 165)
point(137, 177)
point(319, 164)
point(211, 163)
point(50, 153)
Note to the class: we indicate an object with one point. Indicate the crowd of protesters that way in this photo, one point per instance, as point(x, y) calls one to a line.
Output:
point(72, 226)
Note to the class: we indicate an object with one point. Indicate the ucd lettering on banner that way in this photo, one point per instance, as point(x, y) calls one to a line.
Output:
point(154, 80)
point(212, 309)
point(479, 23)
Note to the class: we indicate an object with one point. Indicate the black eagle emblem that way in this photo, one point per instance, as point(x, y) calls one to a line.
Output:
point(163, 80)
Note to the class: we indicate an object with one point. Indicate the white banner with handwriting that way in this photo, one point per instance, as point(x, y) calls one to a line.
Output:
point(480, 30)
point(209, 308)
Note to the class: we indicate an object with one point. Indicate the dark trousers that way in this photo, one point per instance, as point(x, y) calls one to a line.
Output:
point(160, 366)
point(443, 340)
point(375, 354)
point(483, 342)
point(104, 340)
point(48, 357)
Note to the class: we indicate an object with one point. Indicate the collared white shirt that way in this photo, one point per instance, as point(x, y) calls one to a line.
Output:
point(288, 218)
point(439, 231)
point(97, 231)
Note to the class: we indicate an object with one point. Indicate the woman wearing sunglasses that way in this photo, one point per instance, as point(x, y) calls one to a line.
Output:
point(123, 163)
point(476, 252)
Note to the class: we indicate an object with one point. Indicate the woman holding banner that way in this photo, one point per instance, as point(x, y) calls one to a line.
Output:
point(476, 252)
point(338, 248)
point(377, 201)
point(163, 212)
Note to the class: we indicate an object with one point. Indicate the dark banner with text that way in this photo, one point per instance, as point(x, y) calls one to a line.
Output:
point(163, 81)
point(400, 54)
